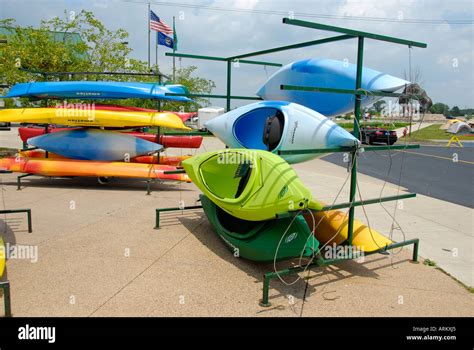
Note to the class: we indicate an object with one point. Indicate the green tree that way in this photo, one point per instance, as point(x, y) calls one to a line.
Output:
point(379, 106)
point(455, 111)
point(440, 108)
point(100, 49)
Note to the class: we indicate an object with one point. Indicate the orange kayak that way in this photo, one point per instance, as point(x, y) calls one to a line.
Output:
point(69, 167)
point(164, 160)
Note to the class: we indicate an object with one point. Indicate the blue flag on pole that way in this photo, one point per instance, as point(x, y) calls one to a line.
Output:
point(165, 40)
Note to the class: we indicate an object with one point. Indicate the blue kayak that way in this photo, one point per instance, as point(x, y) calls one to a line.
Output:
point(97, 90)
point(327, 73)
point(279, 126)
point(94, 144)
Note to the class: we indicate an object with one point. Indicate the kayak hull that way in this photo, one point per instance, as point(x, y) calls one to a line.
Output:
point(67, 167)
point(91, 118)
point(165, 140)
point(261, 241)
point(327, 73)
point(332, 228)
point(250, 185)
point(94, 144)
point(279, 126)
point(163, 160)
point(97, 90)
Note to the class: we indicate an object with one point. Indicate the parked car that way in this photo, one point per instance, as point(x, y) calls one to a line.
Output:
point(371, 136)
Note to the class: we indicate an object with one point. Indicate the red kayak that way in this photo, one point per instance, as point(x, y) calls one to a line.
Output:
point(165, 140)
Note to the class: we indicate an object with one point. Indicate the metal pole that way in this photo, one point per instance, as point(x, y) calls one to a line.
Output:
point(149, 33)
point(360, 56)
point(174, 51)
point(229, 70)
point(6, 298)
point(156, 53)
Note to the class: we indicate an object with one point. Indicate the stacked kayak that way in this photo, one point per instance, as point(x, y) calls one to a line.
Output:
point(91, 118)
point(279, 126)
point(251, 185)
point(97, 90)
point(83, 147)
point(70, 167)
point(152, 159)
point(327, 73)
point(247, 195)
point(164, 140)
point(94, 144)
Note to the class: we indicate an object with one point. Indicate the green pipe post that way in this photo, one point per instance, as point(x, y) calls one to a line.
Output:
point(352, 32)
point(18, 180)
point(416, 245)
point(222, 59)
point(366, 202)
point(357, 113)
point(28, 216)
point(320, 261)
point(343, 91)
point(229, 84)
point(6, 298)
point(294, 46)
point(159, 210)
point(253, 98)
point(266, 287)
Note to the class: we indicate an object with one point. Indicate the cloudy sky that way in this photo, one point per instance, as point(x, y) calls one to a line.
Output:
point(229, 27)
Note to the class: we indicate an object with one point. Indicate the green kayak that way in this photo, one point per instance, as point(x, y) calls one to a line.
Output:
point(262, 240)
point(251, 185)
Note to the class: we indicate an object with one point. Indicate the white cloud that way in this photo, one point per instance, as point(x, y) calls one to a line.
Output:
point(220, 33)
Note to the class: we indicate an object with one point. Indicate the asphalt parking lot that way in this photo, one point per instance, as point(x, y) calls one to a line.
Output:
point(436, 171)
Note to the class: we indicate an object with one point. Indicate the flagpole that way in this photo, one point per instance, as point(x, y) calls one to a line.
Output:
point(149, 32)
point(156, 53)
point(174, 51)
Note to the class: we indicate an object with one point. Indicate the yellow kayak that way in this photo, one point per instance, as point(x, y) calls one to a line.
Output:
point(333, 228)
point(91, 117)
point(2, 257)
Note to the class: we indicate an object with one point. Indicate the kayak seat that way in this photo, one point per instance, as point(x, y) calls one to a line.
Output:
point(243, 171)
point(236, 225)
point(273, 130)
point(250, 127)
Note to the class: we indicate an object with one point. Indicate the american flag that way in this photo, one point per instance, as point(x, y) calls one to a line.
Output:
point(158, 25)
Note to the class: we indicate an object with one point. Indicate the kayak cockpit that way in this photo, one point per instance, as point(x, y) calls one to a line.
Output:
point(261, 128)
point(231, 166)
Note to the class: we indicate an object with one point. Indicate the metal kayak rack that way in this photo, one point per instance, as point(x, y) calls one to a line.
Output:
point(357, 92)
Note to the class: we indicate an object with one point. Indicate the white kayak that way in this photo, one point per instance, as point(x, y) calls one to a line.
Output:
point(279, 125)
point(327, 73)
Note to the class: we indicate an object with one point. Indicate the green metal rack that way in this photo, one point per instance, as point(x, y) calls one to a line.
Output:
point(5, 286)
point(357, 92)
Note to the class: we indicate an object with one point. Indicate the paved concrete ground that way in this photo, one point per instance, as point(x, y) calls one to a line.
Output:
point(10, 138)
point(100, 256)
point(435, 171)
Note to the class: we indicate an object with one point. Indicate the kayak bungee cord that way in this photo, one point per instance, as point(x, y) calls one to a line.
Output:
point(393, 217)
point(312, 234)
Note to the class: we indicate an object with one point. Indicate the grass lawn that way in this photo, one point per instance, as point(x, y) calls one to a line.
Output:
point(377, 124)
point(433, 132)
